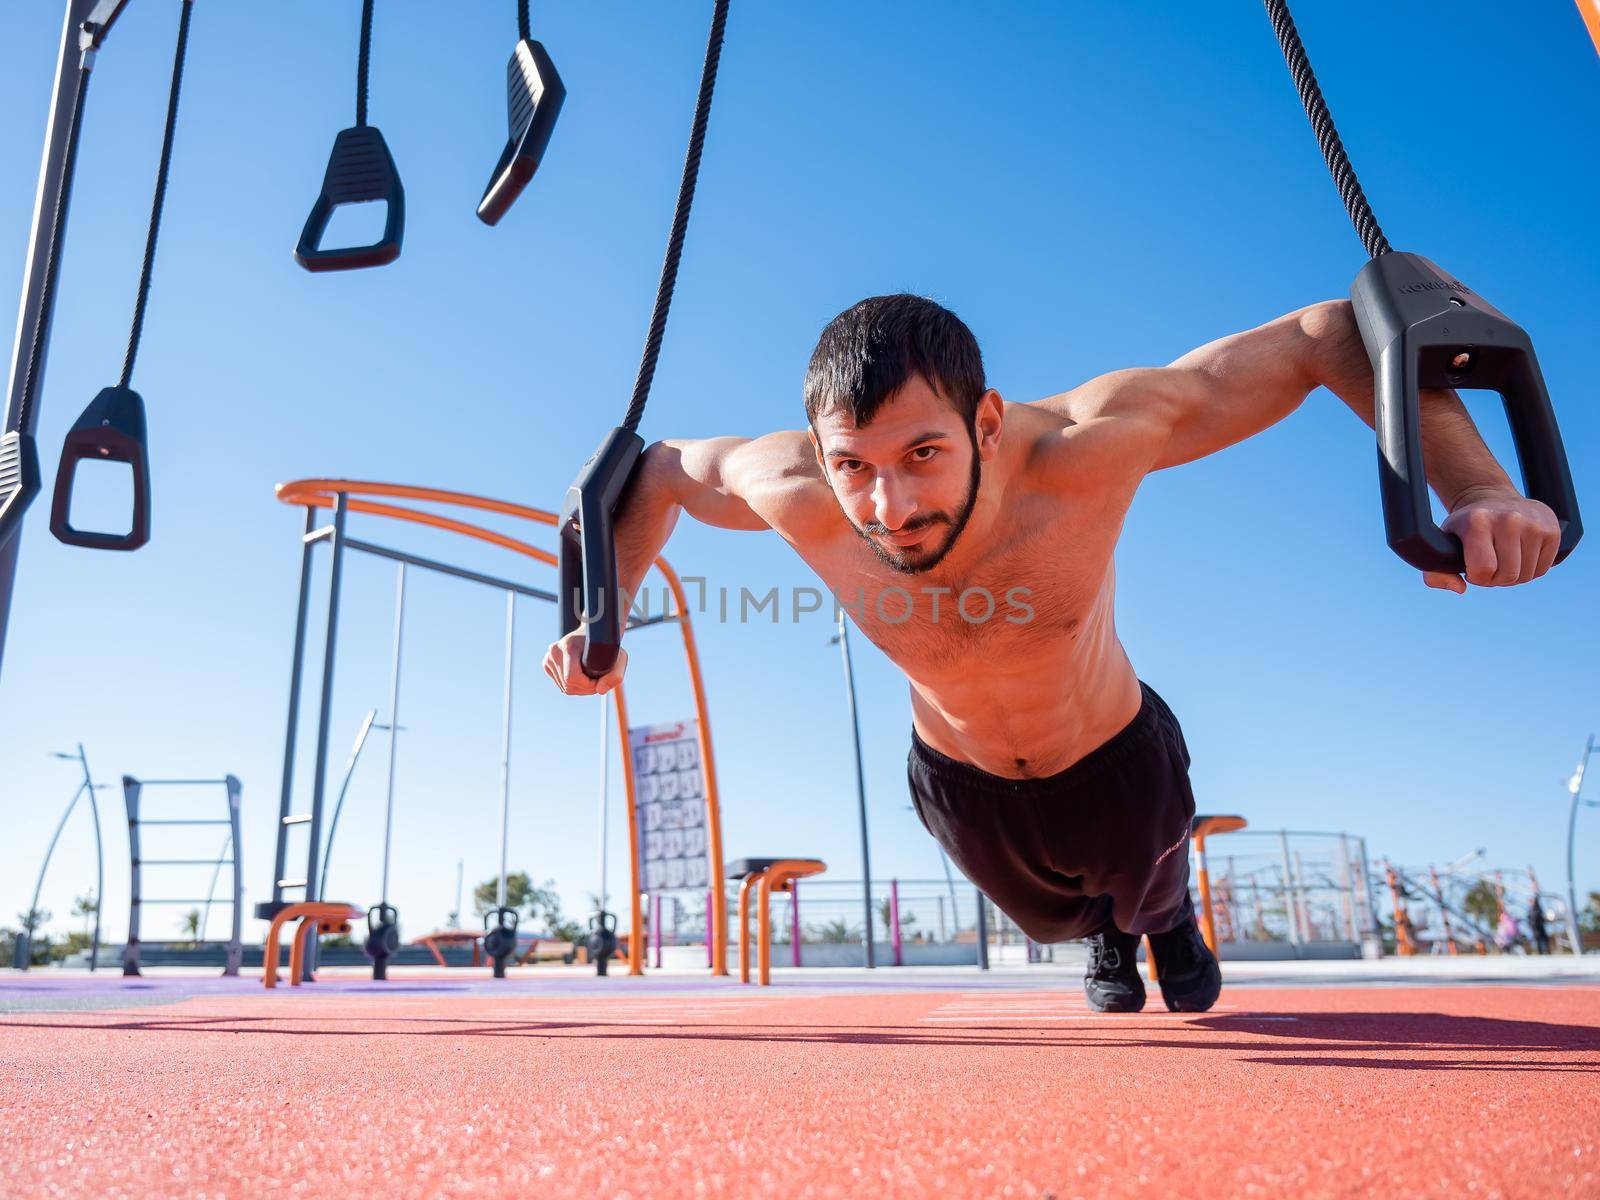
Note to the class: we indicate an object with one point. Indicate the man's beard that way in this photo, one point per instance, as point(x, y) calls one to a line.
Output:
point(901, 562)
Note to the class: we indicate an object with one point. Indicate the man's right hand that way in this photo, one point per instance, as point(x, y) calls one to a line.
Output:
point(563, 662)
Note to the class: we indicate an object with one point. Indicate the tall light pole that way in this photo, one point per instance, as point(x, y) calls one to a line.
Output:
point(1575, 785)
point(843, 640)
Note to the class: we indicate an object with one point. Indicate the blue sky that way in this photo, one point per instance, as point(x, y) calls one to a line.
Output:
point(1091, 187)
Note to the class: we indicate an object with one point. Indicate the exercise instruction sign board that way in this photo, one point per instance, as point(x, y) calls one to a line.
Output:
point(671, 793)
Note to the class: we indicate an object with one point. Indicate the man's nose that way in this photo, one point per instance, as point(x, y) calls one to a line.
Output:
point(892, 503)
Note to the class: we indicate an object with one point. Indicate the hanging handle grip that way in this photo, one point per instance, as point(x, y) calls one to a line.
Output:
point(111, 429)
point(589, 591)
point(360, 171)
point(534, 95)
point(1423, 328)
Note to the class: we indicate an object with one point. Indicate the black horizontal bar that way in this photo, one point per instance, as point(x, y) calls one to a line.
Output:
point(429, 564)
point(206, 900)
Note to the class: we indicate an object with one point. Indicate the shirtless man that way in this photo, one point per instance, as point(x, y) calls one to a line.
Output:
point(971, 540)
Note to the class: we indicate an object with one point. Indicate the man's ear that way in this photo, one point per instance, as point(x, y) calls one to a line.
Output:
point(816, 449)
point(987, 423)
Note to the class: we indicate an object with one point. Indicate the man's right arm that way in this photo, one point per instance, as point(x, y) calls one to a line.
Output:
point(707, 477)
point(719, 481)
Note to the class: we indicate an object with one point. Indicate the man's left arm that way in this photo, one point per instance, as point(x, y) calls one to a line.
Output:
point(1231, 389)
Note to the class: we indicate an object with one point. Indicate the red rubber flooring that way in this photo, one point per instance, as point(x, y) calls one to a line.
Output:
point(728, 1092)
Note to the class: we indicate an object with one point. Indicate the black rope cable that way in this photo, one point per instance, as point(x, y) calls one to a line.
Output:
point(364, 62)
point(524, 26)
point(1344, 175)
point(137, 332)
point(680, 220)
point(52, 263)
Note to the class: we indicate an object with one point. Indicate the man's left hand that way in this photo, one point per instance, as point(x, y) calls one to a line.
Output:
point(1507, 539)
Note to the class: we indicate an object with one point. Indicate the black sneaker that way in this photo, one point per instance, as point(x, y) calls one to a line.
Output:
point(1190, 977)
point(1112, 981)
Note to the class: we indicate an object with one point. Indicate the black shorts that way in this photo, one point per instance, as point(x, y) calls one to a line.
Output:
point(1104, 841)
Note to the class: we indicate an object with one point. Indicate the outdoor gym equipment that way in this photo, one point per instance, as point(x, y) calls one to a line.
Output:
point(765, 876)
point(602, 939)
point(500, 940)
point(132, 795)
point(1423, 328)
point(379, 499)
point(360, 171)
point(383, 938)
point(500, 934)
point(22, 948)
point(316, 917)
point(589, 592)
point(534, 94)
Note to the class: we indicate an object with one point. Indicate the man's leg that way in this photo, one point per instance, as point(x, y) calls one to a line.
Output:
point(1190, 978)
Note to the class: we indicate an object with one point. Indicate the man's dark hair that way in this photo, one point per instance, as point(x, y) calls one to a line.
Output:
point(872, 349)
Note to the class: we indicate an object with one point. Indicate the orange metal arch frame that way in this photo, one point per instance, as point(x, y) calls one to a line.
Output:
point(322, 493)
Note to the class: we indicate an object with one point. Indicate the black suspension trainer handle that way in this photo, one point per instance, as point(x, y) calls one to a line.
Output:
point(590, 595)
point(360, 170)
point(111, 429)
point(534, 95)
point(1423, 328)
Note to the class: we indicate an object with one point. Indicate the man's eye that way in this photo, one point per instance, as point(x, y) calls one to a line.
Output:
point(850, 466)
point(924, 453)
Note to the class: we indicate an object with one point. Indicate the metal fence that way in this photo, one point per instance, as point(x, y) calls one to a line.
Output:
point(1297, 888)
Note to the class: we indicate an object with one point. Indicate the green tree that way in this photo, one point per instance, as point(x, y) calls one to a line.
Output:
point(835, 932)
point(1482, 904)
point(191, 925)
point(539, 903)
point(907, 920)
point(1589, 918)
point(38, 943)
point(69, 945)
point(85, 907)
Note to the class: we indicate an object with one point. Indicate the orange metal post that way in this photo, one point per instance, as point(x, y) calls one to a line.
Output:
point(311, 913)
point(744, 923)
point(1203, 827)
point(779, 877)
point(1404, 943)
point(708, 765)
point(1590, 9)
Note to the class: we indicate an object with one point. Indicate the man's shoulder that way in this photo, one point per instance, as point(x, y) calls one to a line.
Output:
point(778, 476)
point(1104, 433)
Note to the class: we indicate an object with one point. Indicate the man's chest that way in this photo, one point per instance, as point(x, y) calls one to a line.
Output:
point(1025, 594)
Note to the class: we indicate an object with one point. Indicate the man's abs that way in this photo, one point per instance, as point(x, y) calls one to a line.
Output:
point(1030, 718)
point(1019, 699)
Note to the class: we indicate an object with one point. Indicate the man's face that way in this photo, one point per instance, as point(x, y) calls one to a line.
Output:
point(907, 481)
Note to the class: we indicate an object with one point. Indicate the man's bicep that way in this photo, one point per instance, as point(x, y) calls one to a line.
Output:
point(709, 478)
point(1118, 425)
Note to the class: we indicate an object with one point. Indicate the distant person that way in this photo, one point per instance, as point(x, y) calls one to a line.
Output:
point(1506, 932)
point(972, 541)
point(1536, 926)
